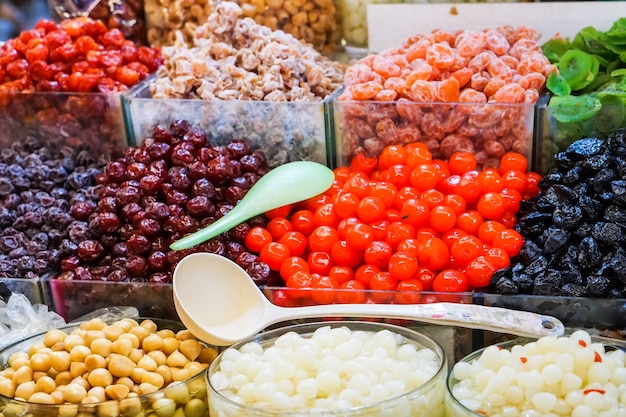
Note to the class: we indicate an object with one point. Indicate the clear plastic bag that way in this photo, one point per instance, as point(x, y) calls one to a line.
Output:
point(19, 319)
point(125, 15)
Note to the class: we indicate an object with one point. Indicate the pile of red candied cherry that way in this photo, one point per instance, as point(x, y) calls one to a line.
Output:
point(399, 224)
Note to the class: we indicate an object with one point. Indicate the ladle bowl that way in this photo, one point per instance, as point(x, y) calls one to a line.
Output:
point(220, 304)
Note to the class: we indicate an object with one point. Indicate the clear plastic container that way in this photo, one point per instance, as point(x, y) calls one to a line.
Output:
point(454, 407)
point(426, 399)
point(187, 398)
point(354, 21)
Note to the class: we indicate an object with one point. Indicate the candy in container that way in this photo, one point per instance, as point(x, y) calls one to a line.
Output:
point(164, 18)
point(573, 375)
point(314, 22)
point(330, 368)
point(471, 91)
point(123, 367)
point(125, 15)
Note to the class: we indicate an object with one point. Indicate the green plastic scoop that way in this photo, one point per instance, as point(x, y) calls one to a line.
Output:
point(285, 184)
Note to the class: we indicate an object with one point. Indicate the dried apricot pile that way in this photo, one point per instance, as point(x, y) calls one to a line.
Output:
point(493, 73)
point(401, 222)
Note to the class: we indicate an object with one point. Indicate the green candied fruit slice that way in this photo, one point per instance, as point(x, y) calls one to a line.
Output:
point(568, 109)
point(591, 40)
point(611, 115)
point(618, 72)
point(558, 85)
point(555, 48)
point(578, 68)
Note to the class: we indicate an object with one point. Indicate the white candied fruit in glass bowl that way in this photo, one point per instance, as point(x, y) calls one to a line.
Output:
point(360, 368)
point(550, 377)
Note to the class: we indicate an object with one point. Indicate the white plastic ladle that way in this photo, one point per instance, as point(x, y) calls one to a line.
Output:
point(216, 299)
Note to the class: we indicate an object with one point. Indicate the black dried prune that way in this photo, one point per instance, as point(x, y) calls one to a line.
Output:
point(589, 254)
point(584, 148)
point(618, 189)
point(607, 233)
point(554, 238)
point(599, 285)
point(567, 216)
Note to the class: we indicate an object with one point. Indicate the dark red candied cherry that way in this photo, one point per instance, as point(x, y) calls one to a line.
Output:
point(203, 187)
point(100, 272)
point(234, 194)
point(109, 203)
point(196, 170)
point(176, 197)
point(182, 157)
point(239, 148)
point(159, 244)
point(158, 168)
point(157, 262)
point(162, 134)
point(174, 256)
point(200, 207)
point(136, 265)
point(239, 232)
point(118, 275)
point(175, 210)
point(149, 227)
point(150, 184)
point(133, 154)
point(81, 210)
point(115, 171)
point(110, 190)
point(245, 259)
point(186, 224)
point(70, 263)
point(220, 169)
point(83, 273)
point(138, 244)
point(119, 249)
point(245, 181)
point(159, 151)
point(178, 128)
point(196, 137)
point(66, 276)
point(89, 250)
point(157, 210)
point(108, 241)
point(135, 170)
point(128, 194)
point(223, 210)
point(206, 154)
point(119, 262)
point(179, 178)
point(108, 222)
point(161, 278)
point(215, 245)
point(130, 210)
point(260, 273)
point(234, 249)
point(250, 163)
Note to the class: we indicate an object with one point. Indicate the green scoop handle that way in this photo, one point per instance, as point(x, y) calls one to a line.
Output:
point(283, 185)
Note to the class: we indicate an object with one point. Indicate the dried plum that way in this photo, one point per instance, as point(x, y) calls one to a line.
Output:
point(584, 148)
point(573, 228)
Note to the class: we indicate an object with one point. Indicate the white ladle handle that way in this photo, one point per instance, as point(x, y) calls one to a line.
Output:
point(497, 319)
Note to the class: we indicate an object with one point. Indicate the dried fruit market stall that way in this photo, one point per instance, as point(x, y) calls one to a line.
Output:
point(469, 166)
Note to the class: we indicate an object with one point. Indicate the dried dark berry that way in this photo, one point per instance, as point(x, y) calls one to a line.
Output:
point(584, 148)
point(554, 238)
point(607, 233)
point(567, 217)
point(599, 286)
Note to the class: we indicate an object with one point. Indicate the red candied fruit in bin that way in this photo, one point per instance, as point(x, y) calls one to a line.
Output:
point(415, 238)
point(77, 55)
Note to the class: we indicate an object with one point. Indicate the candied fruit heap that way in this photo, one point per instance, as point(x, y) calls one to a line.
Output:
point(173, 184)
point(235, 58)
point(573, 229)
point(77, 55)
point(36, 190)
point(497, 74)
point(402, 222)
